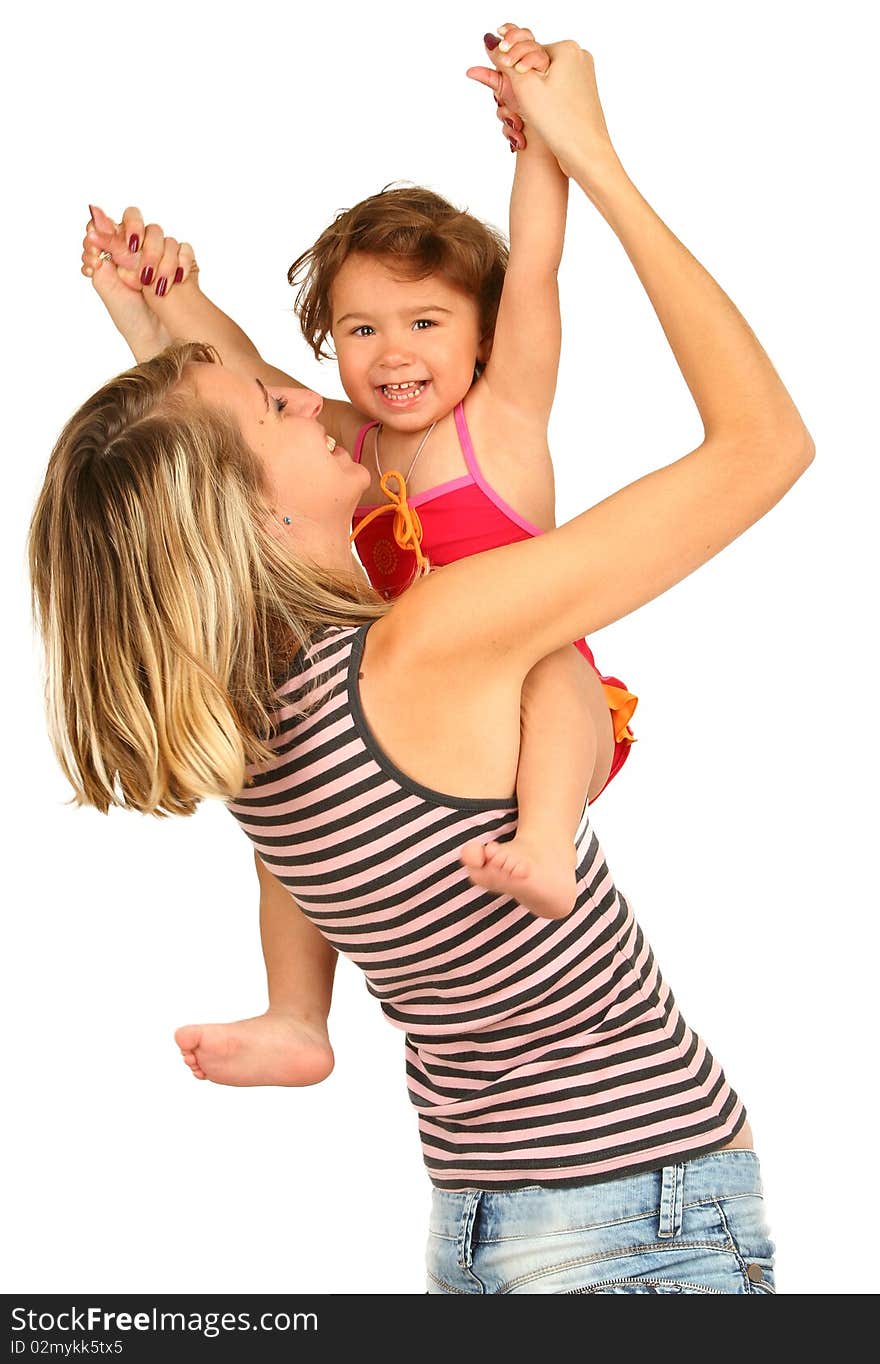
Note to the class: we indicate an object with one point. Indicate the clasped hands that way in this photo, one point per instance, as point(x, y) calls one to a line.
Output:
point(146, 261)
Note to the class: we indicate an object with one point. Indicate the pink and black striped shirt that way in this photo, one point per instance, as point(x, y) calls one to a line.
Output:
point(538, 1051)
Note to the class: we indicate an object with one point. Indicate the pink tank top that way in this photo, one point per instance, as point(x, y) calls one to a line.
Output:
point(459, 518)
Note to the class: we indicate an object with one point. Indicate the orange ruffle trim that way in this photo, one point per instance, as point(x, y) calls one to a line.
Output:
point(622, 705)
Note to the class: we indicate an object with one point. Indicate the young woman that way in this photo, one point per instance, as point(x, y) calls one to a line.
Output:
point(207, 635)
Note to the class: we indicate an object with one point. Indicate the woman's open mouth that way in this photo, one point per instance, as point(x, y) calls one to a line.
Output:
point(404, 395)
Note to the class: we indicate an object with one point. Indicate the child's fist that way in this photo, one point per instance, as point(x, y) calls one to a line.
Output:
point(516, 50)
point(519, 51)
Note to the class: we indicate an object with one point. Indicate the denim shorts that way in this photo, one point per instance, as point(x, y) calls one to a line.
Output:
point(697, 1227)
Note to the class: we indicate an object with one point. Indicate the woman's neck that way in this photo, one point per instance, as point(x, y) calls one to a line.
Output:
point(332, 553)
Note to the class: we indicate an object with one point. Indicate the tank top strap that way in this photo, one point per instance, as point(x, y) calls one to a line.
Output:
point(467, 445)
point(359, 440)
point(476, 473)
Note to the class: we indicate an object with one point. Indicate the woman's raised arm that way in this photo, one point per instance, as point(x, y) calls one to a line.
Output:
point(536, 596)
point(162, 275)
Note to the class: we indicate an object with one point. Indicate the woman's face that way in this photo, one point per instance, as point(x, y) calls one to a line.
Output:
point(310, 481)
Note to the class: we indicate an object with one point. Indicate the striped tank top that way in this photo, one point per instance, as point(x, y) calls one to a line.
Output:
point(538, 1051)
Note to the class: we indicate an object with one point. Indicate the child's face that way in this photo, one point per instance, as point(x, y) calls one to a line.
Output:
point(422, 333)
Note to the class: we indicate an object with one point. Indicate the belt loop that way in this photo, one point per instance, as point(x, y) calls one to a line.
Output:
point(466, 1230)
point(671, 1201)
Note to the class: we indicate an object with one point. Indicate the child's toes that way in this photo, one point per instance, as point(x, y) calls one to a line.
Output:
point(192, 1061)
point(473, 855)
point(188, 1037)
point(505, 860)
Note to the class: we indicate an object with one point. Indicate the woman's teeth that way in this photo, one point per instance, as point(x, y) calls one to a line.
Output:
point(331, 443)
point(400, 392)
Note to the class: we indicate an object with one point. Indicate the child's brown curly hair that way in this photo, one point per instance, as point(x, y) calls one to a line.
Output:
point(415, 229)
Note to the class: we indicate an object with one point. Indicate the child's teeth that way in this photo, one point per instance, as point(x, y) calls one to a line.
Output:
point(396, 392)
point(331, 443)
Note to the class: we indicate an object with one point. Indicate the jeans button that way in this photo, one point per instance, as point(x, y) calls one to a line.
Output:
point(755, 1273)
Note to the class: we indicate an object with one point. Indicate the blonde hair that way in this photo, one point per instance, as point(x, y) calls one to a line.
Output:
point(168, 608)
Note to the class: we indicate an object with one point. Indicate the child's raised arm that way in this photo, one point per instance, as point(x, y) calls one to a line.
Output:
point(522, 368)
point(535, 596)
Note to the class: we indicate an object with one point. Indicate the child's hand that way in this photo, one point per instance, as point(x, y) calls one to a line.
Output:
point(560, 103)
point(521, 49)
point(144, 257)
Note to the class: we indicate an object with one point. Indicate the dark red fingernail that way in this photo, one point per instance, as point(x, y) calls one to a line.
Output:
point(161, 286)
point(510, 123)
point(491, 41)
point(134, 242)
point(178, 274)
point(512, 145)
point(146, 274)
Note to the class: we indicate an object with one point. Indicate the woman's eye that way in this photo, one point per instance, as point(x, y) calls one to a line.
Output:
point(280, 403)
point(361, 331)
point(424, 322)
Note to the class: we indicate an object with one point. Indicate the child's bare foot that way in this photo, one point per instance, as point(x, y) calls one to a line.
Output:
point(538, 874)
point(272, 1049)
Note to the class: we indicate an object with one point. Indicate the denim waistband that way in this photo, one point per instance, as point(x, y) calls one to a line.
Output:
point(721, 1174)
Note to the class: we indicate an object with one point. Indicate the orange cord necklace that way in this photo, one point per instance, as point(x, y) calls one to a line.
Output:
point(406, 526)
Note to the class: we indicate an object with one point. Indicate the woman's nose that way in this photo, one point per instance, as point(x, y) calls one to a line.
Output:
point(303, 402)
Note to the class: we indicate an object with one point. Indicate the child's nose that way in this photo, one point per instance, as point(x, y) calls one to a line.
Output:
point(396, 353)
point(304, 402)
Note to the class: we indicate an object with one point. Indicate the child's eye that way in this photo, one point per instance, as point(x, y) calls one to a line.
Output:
point(280, 403)
point(424, 322)
point(362, 330)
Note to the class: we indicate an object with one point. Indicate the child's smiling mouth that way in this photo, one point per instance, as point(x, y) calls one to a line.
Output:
point(404, 394)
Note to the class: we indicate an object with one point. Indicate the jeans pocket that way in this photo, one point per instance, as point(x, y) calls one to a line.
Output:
point(647, 1285)
point(666, 1268)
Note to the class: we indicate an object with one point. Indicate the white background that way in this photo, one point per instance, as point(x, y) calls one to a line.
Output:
point(748, 127)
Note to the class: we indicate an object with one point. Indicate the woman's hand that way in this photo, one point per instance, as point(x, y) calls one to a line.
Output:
point(562, 105)
point(121, 294)
point(520, 45)
point(144, 257)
